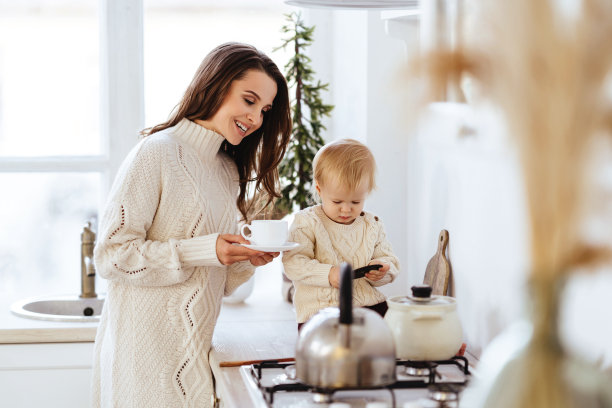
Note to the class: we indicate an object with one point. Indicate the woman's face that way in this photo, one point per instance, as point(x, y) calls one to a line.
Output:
point(244, 106)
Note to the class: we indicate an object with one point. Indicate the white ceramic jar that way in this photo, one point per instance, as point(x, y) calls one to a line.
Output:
point(424, 327)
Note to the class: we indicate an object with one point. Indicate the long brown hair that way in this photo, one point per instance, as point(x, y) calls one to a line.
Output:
point(258, 155)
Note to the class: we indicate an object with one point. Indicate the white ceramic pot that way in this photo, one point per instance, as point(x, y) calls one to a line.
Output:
point(424, 327)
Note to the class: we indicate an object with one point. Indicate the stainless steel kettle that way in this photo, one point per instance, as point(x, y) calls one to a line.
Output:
point(345, 348)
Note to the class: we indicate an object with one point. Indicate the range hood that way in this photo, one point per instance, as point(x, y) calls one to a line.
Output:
point(357, 4)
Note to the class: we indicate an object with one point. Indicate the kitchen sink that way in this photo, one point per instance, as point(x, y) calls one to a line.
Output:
point(68, 308)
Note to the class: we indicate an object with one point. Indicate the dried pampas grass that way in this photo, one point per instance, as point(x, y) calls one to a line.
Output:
point(546, 67)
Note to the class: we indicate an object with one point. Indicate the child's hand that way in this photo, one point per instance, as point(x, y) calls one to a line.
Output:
point(379, 273)
point(334, 277)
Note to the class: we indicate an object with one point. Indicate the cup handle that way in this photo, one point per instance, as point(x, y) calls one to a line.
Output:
point(243, 234)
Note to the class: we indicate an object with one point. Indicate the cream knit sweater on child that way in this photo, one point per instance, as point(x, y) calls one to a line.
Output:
point(325, 243)
point(173, 195)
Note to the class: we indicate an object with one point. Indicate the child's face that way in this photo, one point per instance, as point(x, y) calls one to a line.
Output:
point(243, 109)
point(341, 204)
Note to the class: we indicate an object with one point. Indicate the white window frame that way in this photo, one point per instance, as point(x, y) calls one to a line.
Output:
point(122, 80)
point(121, 98)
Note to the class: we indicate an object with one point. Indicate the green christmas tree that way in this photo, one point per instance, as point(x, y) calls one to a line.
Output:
point(308, 110)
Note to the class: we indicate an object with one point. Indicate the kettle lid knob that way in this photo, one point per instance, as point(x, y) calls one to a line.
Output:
point(421, 291)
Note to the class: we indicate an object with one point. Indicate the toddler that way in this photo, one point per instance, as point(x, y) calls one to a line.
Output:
point(338, 230)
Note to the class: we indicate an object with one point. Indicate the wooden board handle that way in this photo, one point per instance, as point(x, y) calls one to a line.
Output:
point(442, 242)
point(438, 268)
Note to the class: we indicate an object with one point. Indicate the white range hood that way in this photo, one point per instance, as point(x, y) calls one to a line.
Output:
point(357, 4)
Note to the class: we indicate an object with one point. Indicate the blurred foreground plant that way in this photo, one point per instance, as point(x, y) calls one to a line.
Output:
point(547, 69)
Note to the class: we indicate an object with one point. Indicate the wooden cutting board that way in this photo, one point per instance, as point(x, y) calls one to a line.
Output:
point(437, 272)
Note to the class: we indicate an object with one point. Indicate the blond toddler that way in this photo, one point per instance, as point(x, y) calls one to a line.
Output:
point(338, 230)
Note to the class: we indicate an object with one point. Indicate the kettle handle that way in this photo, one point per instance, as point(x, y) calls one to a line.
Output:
point(346, 294)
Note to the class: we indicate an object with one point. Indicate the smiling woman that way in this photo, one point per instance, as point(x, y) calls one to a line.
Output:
point(246, 103)
point(63, 134)
point(167, 235)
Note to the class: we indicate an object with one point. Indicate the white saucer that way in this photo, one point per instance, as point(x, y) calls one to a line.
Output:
point(286, 247)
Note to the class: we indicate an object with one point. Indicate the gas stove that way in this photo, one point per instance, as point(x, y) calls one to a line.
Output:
point(419, 384)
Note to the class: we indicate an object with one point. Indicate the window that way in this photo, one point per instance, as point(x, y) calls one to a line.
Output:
point(78, 79)
point(50, 147)
point(178, 34)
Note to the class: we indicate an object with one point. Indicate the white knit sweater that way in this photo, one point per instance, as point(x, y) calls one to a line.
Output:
point(173, 195)
point(325, 243)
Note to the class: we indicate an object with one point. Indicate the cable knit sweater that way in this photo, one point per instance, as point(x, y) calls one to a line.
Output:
point(173, 195)
point(325, 243)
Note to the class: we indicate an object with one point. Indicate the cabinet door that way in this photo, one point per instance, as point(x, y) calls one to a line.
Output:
point(45, 375)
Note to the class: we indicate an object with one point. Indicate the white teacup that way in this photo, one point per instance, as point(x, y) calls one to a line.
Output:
point(266, 232)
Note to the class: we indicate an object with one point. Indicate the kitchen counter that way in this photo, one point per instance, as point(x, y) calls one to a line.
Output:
point(19, 330)
point(261, 327)
point(264, 304)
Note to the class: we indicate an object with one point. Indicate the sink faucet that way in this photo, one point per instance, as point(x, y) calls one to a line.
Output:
point(88, 272)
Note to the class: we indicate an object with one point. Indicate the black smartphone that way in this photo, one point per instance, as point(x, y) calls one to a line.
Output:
point(360, 272)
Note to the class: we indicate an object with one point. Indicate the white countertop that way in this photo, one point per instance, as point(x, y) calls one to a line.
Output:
point(261, 327)
point(265, 304)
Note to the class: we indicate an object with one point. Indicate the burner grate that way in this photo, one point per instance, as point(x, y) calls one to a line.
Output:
point(268, 391)
point(429, 380)
point(459, 361)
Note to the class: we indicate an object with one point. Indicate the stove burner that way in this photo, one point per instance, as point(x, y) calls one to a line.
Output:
point(430, 375)
point(290, 372)
point(444, 393)
point(420, 369)
point(322, 397)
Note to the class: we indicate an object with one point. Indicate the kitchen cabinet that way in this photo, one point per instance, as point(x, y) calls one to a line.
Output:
point(48, 364)
point(45, 375)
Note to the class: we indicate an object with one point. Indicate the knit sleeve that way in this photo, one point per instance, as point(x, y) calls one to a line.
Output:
point(300, 264)
point(384, 252)
point(238, 272)
point(123, 251)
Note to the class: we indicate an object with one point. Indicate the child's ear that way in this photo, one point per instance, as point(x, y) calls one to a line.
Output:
point(317, 187)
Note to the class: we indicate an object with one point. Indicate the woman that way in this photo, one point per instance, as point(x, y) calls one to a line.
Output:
point(166, 241)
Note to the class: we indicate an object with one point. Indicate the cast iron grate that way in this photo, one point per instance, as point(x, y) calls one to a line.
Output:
point(428, 381)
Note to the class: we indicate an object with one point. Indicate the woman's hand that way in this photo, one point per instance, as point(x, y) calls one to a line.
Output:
point(379, 273)
point(228, 253)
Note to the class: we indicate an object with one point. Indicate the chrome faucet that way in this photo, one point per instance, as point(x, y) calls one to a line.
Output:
point(88, 272)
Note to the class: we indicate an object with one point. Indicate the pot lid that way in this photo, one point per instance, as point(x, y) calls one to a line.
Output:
point(421, 296)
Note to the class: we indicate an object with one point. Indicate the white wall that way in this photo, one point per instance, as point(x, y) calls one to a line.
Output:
point(353, 53)
point(435, 175)
point(429, 179)
point(465, 179)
